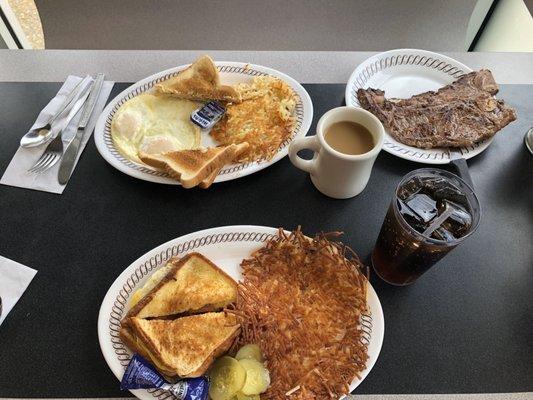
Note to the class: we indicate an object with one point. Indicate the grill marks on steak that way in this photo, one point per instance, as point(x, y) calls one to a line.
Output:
point(459, 114)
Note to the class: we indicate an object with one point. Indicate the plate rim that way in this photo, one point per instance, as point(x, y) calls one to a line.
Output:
point(250, 168)
point(397, 148)
point(108, 301)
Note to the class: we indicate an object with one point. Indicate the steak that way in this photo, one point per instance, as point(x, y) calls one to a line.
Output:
point(460, 114)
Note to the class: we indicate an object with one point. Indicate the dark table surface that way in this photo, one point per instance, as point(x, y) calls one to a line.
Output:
point(466, 326)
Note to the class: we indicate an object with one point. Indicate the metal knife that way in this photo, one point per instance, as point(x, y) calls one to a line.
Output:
point(458, 162)
point(71, 152)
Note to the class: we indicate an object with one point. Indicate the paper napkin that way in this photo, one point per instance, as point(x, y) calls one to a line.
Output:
point(16, 173)
point(14, 279)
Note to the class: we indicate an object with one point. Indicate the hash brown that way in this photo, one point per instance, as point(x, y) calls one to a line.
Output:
point(301, 301)
point(264, 118)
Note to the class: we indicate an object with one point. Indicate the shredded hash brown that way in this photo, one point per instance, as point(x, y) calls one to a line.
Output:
point(264, 118)
point(301, 300)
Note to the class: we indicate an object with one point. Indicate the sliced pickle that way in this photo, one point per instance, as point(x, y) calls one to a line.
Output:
point(242, 396)
point(257, 377)
point(250, 351)
point(227, 377)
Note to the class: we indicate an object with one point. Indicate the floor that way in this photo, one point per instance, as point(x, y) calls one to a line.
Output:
point(256, 25)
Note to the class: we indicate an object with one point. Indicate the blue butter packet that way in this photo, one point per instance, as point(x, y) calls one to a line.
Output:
point(208, 115)
point(140, 374)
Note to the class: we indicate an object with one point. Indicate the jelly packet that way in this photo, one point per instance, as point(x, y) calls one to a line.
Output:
point(208, 115)
point(140, 374)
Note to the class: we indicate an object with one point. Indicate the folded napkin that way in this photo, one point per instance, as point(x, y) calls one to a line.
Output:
point(14, 279)
point(16, 173)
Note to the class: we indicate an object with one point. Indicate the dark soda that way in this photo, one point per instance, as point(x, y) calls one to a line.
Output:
point(431, 213)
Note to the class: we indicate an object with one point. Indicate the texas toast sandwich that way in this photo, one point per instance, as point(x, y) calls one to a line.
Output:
point(177, 321)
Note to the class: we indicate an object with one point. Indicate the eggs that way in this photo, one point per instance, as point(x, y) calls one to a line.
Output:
point(154, 124)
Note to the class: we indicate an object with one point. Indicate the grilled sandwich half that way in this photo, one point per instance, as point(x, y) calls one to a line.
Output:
point(192, 285)
point(184, 347)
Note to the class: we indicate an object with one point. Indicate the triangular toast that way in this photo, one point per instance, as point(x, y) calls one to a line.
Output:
point(197, 166)
point(208, 181)
point(183, 347)
point(193, 285)
point(199, 82)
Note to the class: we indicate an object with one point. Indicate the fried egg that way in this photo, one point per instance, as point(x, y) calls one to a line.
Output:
point(154, 124)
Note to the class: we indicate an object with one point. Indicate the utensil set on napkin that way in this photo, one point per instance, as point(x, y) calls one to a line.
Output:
point(78, 98)
point(49, 151)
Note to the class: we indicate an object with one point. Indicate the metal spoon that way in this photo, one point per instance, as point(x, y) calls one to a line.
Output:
point(40, 135)
point(528, 139)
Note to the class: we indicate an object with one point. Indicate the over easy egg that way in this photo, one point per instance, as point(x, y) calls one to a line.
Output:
point(154, 124)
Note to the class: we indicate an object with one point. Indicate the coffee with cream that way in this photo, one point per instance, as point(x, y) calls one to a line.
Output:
point(349, 138)
point(347, 142)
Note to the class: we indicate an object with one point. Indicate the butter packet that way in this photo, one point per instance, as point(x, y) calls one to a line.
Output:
point(140, 374)
point(208, 115)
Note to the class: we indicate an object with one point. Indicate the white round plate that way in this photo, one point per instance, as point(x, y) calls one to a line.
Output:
point(403, 73)
point(225, 246)
point(230, 73)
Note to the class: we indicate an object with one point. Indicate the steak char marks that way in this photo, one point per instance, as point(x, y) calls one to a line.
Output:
point(460, 114)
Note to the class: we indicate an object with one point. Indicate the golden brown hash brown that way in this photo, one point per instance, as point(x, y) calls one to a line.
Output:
point(301, 300)
point(264, 118)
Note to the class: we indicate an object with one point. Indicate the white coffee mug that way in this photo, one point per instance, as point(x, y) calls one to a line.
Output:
point(337, 174)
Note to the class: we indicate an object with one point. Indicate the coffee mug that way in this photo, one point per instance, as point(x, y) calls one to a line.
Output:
point(334, 173)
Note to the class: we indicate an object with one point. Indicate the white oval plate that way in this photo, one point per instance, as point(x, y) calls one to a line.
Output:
point(225, 246)
point(403, 73)
point(230, 73)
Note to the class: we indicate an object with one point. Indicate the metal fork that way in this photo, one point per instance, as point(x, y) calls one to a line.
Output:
point(50, 157)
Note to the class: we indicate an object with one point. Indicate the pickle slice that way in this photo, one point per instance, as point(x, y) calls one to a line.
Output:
point(250, 351)
point(227, 377)
point(257, 377)
point(242, 396)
